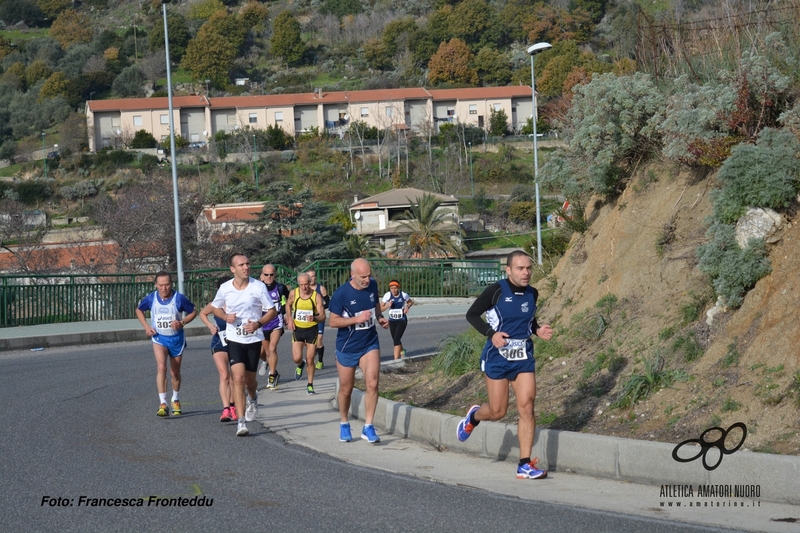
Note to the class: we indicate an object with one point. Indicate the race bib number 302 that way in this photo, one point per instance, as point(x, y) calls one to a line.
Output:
point(515, 350)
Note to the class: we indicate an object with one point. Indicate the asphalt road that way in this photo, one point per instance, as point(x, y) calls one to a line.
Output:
point(80, 422)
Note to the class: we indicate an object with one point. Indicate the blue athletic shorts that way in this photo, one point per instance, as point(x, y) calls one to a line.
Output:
point(217, 346)
point(320, 327)
point(351, 360)
point(496, 366)
point(173, 343)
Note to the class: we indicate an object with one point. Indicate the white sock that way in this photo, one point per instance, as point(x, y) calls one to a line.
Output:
point(163, 397)
point(175, 396)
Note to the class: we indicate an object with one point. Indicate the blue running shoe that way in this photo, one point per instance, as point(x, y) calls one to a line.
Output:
point(344, 433)
point(368, 433)
point(529, 471)
point(465, 427)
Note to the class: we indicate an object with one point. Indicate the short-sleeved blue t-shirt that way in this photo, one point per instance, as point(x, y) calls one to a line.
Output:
point(348, 302)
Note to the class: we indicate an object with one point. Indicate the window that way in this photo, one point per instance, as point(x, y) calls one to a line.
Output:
point(164, 119)
point(473, 109)
point(253, 118)
point(279, 116)
point(497, 107)
point(389, 111)
point(364, 111)
point(137, 120)
point(451, 111)
point(115, 122)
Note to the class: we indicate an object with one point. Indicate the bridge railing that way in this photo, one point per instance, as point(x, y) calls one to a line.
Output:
point(54, 298)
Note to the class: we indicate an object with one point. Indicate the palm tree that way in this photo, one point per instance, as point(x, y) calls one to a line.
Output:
point(429, 231)
point(360, 246)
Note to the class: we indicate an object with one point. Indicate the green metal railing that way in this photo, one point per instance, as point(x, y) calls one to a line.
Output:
point(48, 299)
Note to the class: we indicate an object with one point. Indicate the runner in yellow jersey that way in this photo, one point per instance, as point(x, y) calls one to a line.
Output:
point(303, 311)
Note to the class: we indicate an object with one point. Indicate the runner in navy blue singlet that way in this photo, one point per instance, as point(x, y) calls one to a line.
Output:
point(507, 357)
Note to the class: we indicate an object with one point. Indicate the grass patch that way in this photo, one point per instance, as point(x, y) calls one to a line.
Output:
point(546, 419)
point(731, 356)
point(653, 376)
point(795, 387)
point(689, 346)
point(606, 359)
point(690, 312)
point(730, 405)
point(459, 354)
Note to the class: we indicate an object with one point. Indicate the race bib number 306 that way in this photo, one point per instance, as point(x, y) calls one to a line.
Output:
point(515, 350)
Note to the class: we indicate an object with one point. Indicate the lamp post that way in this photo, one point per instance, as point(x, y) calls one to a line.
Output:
point(173, 160)
point(471, 179)
point(255, 158)
point(532, 51)
point(44, 155)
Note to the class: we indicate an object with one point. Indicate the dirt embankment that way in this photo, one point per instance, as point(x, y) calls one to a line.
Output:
point(628, 293)
point(628, 305)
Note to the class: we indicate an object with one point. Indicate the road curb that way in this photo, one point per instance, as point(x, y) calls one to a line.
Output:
point(637, 461)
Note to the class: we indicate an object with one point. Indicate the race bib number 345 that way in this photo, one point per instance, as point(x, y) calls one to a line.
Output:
point(515, 350)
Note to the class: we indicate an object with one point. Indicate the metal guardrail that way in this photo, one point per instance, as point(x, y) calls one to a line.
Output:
point(49, 299)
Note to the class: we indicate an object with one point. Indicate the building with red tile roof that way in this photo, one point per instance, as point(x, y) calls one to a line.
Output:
point(198, 118)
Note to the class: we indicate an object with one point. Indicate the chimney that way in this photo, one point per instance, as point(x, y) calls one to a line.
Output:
point(355, 199)
point(214, 213)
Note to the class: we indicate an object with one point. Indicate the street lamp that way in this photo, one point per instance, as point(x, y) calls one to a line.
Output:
point(44, 155)
point(532, 51)
point(173, 160)
point(255, 159)
point(471, 180)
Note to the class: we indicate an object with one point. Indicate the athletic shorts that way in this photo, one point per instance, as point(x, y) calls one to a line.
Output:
point(306, 335)
point(496, 366)
point(173, 343)
point(217, 346)
point(321, 327)
point(248, 354)
point(268, 332)
point(351, 360)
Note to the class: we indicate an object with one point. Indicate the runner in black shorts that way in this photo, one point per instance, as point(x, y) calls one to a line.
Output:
point(397, 303)
point(245, 306)
point(303, 311)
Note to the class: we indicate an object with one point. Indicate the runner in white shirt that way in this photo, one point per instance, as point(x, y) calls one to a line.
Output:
point(244, 304)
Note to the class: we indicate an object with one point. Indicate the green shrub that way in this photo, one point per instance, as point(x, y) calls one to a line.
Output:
point(763, 175)
point(459, 354)
point(143, 139)
point(733, 271)
point(613, 124)
point(32, 191)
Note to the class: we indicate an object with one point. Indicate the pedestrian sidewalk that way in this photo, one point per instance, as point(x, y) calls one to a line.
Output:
point(423, 444)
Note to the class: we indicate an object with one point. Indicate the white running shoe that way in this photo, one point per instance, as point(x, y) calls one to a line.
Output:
point(242, 431)
point(252, 409)
point(262, 368)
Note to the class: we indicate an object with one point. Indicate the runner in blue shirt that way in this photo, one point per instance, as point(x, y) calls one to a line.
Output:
point(166, 308)
point(355, 309)
point(507, 358)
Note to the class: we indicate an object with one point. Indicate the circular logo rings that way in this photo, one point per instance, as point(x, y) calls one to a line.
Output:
point(705, 446)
